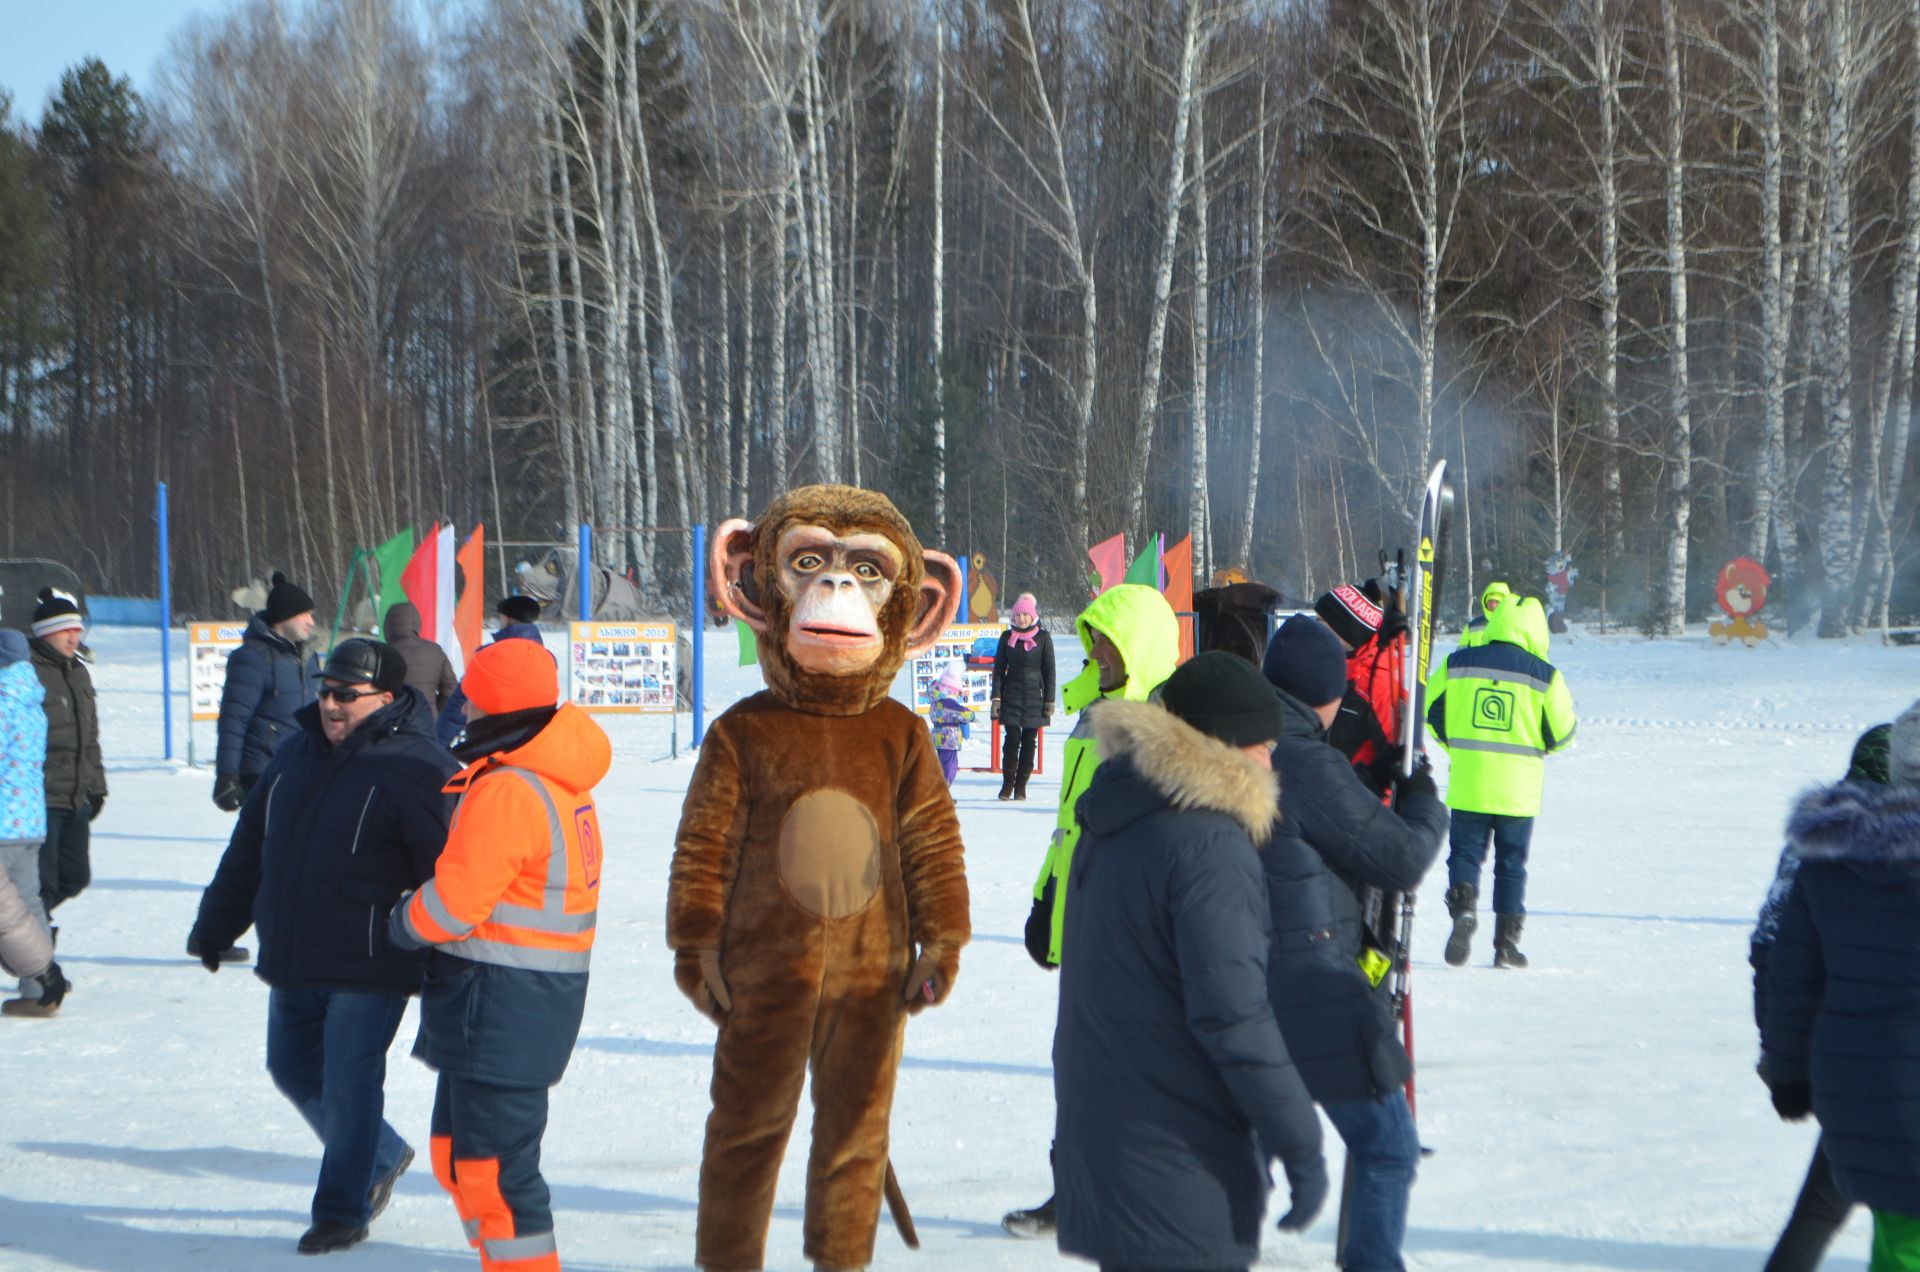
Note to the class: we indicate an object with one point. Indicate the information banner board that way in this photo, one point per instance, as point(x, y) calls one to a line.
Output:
point(208, 645)
point(959, 641)
point(623, 667)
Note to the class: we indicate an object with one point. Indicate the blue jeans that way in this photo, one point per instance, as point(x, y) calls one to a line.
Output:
point(327, 1052)
point(1467, 841)
point(1385, 1150)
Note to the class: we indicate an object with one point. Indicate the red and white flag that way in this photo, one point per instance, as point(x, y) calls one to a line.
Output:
point(428, 582)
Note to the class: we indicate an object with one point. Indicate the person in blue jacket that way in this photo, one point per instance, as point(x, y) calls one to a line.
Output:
point(347, 817)
point(1840, 1033)
point(268, 679)
point(519, 618)
point(1174, 1084)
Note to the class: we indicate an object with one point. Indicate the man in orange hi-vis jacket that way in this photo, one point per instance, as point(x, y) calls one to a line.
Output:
point(509, 913)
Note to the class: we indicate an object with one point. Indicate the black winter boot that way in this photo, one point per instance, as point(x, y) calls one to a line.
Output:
point(1506, 940)
point(1006, 786)
point(1461, 899)
point(1037, 1222)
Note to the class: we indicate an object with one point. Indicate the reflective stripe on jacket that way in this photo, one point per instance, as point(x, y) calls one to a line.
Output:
point(518, 884)
point(1500, 709)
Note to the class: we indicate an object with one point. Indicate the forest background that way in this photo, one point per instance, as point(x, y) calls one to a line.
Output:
point(1643, 271)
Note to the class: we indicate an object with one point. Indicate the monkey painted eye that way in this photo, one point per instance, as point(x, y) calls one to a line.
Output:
point(868, 571)
point(808, 562)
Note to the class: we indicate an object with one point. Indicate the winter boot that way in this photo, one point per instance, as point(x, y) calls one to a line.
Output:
point(1461, 898)
point(31, 1007)
point(1506, 940)
point(382, 1191)
point(1006, 787)
point(1020, 792)
point(1037, 1222)
point(330, 1236)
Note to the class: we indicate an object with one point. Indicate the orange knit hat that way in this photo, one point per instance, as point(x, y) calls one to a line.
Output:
point(512, 675)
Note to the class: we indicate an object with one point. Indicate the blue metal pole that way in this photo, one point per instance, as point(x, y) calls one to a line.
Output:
point(699, 587)
point(166, 627)
point(583, 572)
point(965, 613)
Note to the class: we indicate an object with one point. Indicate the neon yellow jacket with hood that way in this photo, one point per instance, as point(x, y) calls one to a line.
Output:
point(1138, 620)
point(1500, 708)
point(1492, 598)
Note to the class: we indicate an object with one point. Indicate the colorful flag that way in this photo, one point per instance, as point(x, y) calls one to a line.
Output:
point(469, 612)
point(1109, 562)
point(1177, 562)
point(1146, 567)
point(428, 580)
point(391, 560)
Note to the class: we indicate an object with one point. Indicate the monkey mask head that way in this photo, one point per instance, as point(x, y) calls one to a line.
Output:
point(837, 587)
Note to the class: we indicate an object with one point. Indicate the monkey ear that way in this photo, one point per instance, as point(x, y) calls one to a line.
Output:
point(939, 602)
point(731, 574)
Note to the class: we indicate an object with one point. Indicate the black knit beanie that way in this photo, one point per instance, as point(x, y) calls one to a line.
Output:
point(1306, 661)
point(56, 612)
point(1353, 617)
point(1221, 695)
point(518, 609)
point(285, 601)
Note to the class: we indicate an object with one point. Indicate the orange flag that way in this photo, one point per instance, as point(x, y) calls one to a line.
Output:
point(1177, 562)
point(470, 611)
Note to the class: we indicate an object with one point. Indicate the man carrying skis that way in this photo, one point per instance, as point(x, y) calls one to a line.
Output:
point(1367, 728)
point(1133, 638)
point(1334, 838)
point(1500, 709)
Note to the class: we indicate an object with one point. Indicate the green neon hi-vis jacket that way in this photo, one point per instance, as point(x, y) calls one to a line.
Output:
point(1495, 595)
point(1138, 620)
point(1500, 708)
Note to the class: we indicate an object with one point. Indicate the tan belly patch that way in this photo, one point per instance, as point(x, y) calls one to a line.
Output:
point(830, 854)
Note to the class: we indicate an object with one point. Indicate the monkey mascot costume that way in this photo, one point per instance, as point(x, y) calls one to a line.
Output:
point(818, 892)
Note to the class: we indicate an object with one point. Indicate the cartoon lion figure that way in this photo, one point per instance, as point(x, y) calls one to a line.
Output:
point(1742, 591)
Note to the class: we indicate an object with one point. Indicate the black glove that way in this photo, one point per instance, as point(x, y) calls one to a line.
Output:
point(397, 932)
point(1308, 1182)
point(94, 804)
point(53, 985)
point(1792, 1100)
point(993, 709)
point(1039, 933)
point(1418, 782)
point(228, 793)
point(210, 951)
point(1393, 625)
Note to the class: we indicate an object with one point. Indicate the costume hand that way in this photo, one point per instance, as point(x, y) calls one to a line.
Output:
point(931, 979)
point(1308, 1182)
point(53, 985)
point(1792, 1100)
point(697, 973)
point(94, 804)
point(228, 794)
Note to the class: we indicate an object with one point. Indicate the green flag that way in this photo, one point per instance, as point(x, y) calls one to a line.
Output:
point(1146, 567)
point(391, 557)
point(749, 644)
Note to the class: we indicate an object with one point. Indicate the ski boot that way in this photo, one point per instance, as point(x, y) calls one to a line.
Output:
point(1461, 899)
point(1506, 940)
point(1037, 1222)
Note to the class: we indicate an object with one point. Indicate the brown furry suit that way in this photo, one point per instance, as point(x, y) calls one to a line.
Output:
point(817, 849)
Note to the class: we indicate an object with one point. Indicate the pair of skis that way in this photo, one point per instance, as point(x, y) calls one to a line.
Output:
point(1393, 918)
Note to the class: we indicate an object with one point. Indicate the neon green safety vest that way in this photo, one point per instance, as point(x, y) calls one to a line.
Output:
point(1500, 708)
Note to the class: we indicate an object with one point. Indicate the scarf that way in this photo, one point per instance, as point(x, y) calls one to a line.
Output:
point(1024, 640)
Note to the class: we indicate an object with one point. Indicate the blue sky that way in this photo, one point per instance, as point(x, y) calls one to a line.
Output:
point(45, 37)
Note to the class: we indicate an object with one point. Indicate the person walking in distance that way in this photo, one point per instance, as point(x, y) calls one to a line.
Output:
point(1023, 692)
point(269, 678)
point(23, 824)
point(1500, 709)
point(76, 779)
point(428, 668)
point(509, 915)
point(346, 817)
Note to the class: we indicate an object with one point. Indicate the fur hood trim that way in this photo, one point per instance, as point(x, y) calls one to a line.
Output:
point(1860, 823)
point(1188, 767)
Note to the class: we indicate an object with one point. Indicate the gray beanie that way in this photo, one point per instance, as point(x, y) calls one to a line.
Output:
point(13, 647)
point(1903, 748)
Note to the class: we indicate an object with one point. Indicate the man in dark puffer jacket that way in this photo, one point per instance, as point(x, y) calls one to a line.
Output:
point(428, 668)
point(1334, 837)
point(1841, 1032)
point(268, 679)
point(348, 816)
point(1174, 1087)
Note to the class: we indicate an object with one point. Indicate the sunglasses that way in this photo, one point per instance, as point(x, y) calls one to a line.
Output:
point(347, 696)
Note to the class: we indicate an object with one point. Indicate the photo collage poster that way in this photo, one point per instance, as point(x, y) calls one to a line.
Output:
point(208, 645)
point(623, 667)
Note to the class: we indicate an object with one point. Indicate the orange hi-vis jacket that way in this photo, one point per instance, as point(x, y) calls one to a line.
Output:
point(518, 883)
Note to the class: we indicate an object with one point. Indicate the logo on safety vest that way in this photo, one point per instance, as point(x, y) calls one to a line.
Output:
point(1493, 709)
point(587, 830)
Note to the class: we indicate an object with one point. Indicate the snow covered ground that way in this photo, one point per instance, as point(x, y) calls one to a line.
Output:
point(1597, 1111)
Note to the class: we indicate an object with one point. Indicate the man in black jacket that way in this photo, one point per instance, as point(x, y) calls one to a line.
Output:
point(347, 817)
point(269, 678)
point(1174, 1085)
point(1335, 837)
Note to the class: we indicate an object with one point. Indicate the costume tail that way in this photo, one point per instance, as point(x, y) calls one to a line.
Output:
point(897, 1207)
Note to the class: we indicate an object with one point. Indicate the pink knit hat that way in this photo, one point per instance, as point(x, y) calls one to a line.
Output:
point(1026, 605)
point(952, 676)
